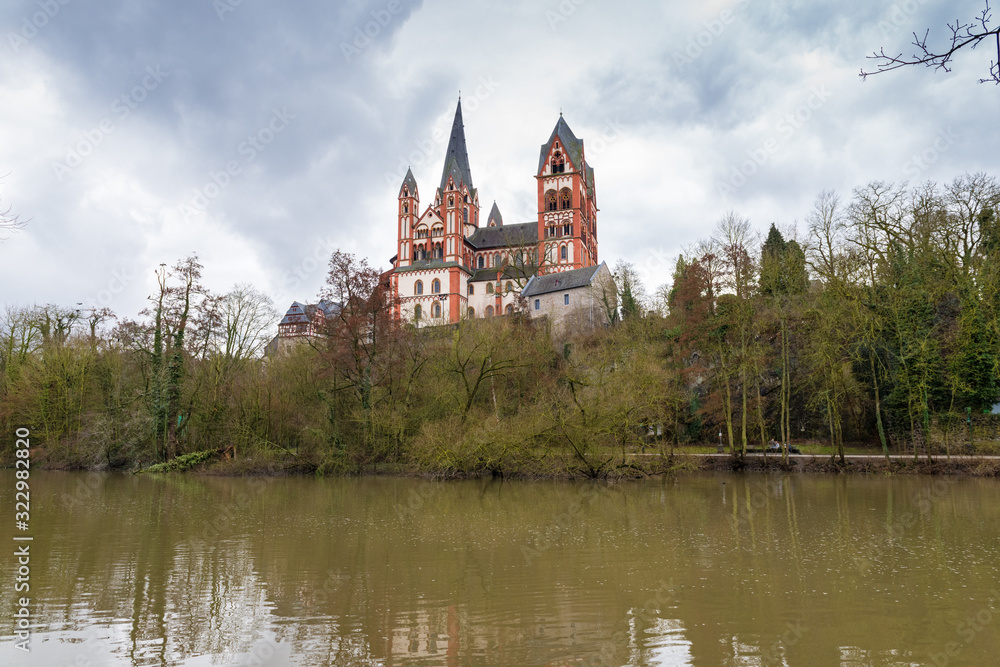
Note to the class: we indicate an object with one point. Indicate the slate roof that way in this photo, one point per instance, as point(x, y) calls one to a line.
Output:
point(504, 236)
point(456, 158)
point(303, 313)
point(559, 282)
point(495, 217)
point(424, 264)
point(411, 182)
point(572, 145)
point(489, 274)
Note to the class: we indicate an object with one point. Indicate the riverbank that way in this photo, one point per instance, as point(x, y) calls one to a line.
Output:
point(609, 466)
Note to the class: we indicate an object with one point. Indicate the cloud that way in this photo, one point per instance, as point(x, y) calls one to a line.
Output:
point(689, 92)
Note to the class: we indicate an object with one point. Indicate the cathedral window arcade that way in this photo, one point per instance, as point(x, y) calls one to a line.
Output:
point(438, 230)
point(422, 232)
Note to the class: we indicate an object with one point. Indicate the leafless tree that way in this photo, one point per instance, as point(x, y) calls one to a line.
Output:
point(963, 35)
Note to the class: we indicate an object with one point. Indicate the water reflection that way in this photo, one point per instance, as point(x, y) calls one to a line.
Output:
point(705, 570)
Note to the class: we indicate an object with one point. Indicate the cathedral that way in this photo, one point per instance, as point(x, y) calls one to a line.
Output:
point(451, 264)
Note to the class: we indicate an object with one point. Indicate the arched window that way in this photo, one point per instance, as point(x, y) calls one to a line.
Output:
point(451, 201)
point(418, 288)
point(472, 289)
point(550, 199)
point(558, 163)
point(563, 254)
point(416, 312)
point(406, 207)
point(465, 216)
point(438, 252)
point(472, 313)
point(509, 287)
point(436, 310)
point(489, 288)
point(482, 261)
point(509, 310)
point(567, 198)
point(436, 286)
point(489, 311)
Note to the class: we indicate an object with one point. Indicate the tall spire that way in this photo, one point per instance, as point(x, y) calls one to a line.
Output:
point(456, 158)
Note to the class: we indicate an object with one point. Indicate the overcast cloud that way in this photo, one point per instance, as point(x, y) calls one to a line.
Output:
point(263, 135)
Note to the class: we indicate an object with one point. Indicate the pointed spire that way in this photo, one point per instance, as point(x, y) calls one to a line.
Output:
point(456, 158)
point(409, 184)
point(495, 219)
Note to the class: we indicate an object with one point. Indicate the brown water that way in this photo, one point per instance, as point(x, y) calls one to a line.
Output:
point(704, 570)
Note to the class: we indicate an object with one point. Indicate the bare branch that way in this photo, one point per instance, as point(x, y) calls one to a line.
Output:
point(962, 35)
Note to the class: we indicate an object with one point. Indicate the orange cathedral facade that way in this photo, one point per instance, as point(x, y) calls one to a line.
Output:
point(451, 264)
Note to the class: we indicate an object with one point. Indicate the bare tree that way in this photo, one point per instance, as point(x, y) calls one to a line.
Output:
point(963, 35)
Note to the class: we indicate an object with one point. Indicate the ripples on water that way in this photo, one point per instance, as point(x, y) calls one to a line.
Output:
point(702, 570)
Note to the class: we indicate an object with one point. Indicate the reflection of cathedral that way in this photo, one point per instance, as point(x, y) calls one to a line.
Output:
point(449, 267)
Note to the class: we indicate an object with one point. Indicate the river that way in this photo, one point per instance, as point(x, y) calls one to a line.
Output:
point(695, 570)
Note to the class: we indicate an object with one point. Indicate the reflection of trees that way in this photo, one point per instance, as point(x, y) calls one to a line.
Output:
point(337, 574)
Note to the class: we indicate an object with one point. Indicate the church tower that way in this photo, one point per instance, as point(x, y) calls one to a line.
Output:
point(457, 199)
point(567, 203)
point(409, 202)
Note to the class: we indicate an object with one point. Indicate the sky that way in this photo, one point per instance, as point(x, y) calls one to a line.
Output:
point(265, 135)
